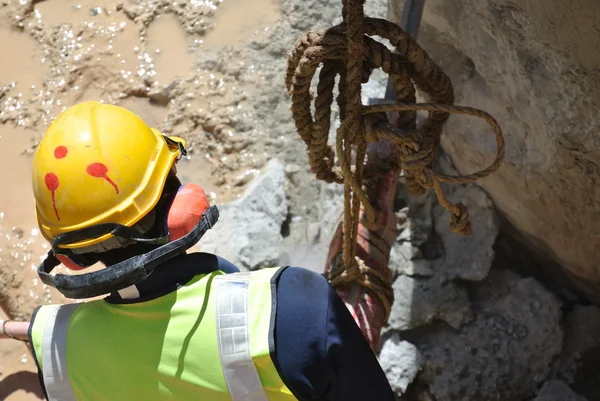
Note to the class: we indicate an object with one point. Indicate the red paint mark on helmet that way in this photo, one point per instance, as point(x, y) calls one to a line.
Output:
point(99, 170)
point(52, 184)
point(60, 152)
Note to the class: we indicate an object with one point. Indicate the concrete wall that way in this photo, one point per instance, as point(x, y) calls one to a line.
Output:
point(535, 65)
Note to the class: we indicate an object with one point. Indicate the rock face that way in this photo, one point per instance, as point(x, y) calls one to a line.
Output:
point(248, 232)
point(419, 301)
point(481, 332)
point(469, 258)
point(534, 65)
point(504, 353)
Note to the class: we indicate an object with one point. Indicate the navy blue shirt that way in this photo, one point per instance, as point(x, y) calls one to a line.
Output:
point(320, 352)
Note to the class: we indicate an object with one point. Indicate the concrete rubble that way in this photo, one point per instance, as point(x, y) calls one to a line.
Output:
point(498, 330)
point(248, 232)
point(506, 351)
point(401, 362)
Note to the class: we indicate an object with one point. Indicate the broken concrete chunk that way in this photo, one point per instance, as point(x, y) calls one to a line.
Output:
point(415, 221)
point(401, 362)
point(248, 233)
point(406, 258)
point(309, 240)
point(555, 390)
point(504, 353)
point(401, 261)
point(419, 301)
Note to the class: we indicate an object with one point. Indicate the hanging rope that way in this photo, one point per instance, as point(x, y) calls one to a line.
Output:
point(348, 51)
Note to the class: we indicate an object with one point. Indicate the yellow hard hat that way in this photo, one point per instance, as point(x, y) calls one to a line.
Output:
point(99, 163)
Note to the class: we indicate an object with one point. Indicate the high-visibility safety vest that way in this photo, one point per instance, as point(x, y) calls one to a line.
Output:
point(212, 339)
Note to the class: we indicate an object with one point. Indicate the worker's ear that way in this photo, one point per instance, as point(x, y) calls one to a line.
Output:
point(186, 210)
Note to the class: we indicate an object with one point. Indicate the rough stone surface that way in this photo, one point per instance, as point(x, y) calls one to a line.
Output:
point(309, 239)
point(419, 301)
point(555, 390)
point(407, 259)
point(534, 65)
point(401, 362)
point(427, 262)
point(468, 258)
point(248, 232)
point(504, 353)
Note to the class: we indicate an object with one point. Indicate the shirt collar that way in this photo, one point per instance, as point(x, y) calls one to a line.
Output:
point(166, 278)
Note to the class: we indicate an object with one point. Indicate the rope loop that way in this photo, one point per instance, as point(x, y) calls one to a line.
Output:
point(349, 52)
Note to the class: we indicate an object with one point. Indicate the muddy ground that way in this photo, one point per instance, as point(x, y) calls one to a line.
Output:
point(209, 71)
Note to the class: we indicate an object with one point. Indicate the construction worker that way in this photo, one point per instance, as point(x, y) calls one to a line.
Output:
point(174, 325)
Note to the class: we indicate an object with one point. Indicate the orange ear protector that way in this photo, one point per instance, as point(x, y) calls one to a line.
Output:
point(188, 206)
point(187, 209)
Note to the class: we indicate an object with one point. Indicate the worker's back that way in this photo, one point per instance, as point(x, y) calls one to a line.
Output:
point(171, 342)
point(185, 345)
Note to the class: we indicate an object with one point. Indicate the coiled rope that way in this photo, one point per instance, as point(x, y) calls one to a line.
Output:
point(348, 50)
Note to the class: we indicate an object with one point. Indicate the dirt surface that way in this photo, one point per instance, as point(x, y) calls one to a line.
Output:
point(209, 71)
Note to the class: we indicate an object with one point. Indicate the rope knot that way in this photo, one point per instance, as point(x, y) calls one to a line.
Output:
point(360, 273)
point(426, 178)
point(416, 160)
point(459, 220)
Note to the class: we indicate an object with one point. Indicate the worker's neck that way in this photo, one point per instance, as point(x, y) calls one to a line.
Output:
point(115, 256)
point(165, 278)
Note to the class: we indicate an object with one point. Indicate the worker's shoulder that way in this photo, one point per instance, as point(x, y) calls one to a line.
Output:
point(305, 287)
point(303, 277)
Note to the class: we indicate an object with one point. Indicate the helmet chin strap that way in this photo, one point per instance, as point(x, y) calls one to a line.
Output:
point(124, 274)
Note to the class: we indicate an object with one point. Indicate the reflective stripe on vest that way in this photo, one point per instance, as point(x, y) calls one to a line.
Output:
point(54, 347)
point(230, 330)
point(233, 337)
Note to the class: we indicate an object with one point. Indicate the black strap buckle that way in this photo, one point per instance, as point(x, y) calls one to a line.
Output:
point(171, 142)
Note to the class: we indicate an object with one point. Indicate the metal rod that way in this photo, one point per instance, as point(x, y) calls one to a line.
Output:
point(411, 16)
point(411, 21)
